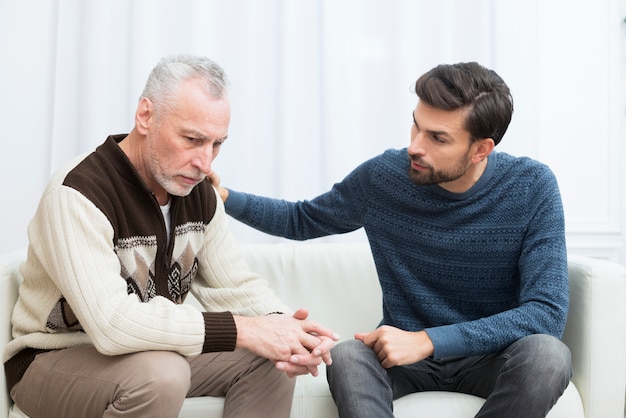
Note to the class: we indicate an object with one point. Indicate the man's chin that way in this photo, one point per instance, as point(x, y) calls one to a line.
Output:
point(180, 188)
point(419, 178)
point(181, 191)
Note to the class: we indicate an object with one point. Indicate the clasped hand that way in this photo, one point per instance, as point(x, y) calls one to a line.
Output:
point(295, 344)
point(396, 347)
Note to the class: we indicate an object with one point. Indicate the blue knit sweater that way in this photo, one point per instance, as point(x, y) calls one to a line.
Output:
point(477, 270)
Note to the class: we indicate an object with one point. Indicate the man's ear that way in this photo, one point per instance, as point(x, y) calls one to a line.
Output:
point(482, 149)
point(144, 116)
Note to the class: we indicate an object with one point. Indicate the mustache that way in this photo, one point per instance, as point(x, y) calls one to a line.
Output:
point(419, 161)
point(198, 176)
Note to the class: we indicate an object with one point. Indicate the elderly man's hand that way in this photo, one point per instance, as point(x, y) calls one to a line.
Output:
point(296, 344)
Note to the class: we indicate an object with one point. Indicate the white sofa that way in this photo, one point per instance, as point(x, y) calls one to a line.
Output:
point(338, 284)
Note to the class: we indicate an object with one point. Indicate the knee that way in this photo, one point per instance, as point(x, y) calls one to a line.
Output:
point(156, 384)
point(544, 355)
point(350, 352)
point(166, 374)
point(343, 349)
point(351, 358)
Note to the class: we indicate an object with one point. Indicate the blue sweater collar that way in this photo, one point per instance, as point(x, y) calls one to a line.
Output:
point(479, 185)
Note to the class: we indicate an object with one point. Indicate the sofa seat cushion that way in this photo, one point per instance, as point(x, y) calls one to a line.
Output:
point(312, 399)
point(458, 405)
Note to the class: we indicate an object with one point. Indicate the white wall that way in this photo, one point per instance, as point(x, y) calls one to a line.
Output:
point(317, 87)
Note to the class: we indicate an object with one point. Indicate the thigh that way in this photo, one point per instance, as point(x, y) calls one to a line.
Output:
point(422, 376)
point(355, 364)
point(527, 359)
point(535, 372)
point(213, 374)
point(475, 375)
point(251, 385)
point(81, 382)
point(360, 385)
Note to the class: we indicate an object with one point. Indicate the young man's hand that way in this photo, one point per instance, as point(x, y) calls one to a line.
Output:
point(395, 347)
point(215, 180)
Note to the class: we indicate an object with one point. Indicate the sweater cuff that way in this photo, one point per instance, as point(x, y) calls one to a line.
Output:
point(447, 341)
point(236, 203)
point(220, 332)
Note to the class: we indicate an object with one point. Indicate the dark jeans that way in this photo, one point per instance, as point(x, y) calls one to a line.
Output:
point(524, 380)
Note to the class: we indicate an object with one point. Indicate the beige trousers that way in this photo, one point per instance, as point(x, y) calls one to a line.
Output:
point(79, 382)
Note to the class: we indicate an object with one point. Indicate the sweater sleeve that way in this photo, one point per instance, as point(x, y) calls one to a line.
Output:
point(224, 281)
point(337, 211)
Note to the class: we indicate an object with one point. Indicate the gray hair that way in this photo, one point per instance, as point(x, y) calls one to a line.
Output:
point(165, 79)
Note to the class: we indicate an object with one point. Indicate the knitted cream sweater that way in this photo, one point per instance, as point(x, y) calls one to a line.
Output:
point(100, 270)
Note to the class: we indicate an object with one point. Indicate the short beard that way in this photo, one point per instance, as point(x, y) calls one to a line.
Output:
point(430, 176)
point(166, 181)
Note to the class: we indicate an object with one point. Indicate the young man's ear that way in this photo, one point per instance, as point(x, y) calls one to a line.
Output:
point(144, 115)
point(482, 149)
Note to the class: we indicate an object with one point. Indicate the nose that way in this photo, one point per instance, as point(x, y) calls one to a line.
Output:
point(416, 147)
point(204, 159)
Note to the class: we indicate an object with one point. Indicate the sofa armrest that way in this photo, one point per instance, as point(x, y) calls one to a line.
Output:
point(10, 280)
point(596, 334)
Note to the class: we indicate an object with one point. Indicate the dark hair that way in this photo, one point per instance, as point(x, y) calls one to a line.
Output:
point(456, 86)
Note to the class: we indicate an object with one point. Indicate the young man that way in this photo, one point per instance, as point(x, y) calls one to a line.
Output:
point(118, 241)
point(469, 246)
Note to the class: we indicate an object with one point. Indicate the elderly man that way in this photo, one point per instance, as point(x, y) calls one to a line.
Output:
point(118, 241)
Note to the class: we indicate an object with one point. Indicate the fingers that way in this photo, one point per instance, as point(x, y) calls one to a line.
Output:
point(296, 345)
point(303, 363)
point(215, 180)
point(294, 370)
point(298, 338)
point(309, 342)
point(327, 359)
point(321, 353)
point(301, 314)
point(324, 347)
point(315, 333)
point(372, 340)
point(313, 327)
point(396, 347)
point(376, 341)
